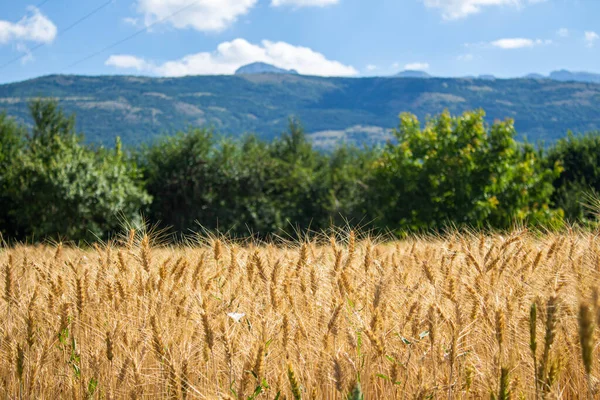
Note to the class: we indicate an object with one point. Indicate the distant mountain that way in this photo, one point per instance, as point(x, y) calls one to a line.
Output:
point(263, 68)
point(357, 110)
point(412, 74)
point(564, 75)
point(535, 76)
point(561, 75)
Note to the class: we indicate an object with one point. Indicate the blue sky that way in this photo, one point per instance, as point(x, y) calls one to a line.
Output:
point(317, 37)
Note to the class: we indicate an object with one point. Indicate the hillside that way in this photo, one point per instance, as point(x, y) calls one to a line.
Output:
point(357, 109)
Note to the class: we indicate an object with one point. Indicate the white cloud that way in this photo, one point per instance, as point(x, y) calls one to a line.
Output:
point(417, 66)
point(465, 57)
point(563, 32)
point(590, 38)
point(127, 61)
point(396, 65)
point(304, 3)
point(518, 43)
point(34, 27)
point(371, 67)
point(203, 15)
point(28, 56)
point(229, 56)
point(455, 9)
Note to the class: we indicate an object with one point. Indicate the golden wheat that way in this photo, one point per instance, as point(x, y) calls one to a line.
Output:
point(451, 317)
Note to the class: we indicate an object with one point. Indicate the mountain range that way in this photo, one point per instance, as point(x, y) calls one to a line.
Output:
point(358, 110)
point(560, 75)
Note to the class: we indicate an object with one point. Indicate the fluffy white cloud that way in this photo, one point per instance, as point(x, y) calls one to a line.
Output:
point(455, 9)
point(563, 32)
point(304, 3)
point(371, 67)
point(229, 56)
point(518, 43)
point(34, 27)
point(590, 38)
point(418, 66)
point(203, 15)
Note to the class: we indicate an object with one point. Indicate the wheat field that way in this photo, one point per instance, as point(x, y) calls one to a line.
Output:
point(460, 316)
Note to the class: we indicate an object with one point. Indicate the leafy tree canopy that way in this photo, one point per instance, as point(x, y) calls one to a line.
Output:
point(459, 170)
point(60, 188)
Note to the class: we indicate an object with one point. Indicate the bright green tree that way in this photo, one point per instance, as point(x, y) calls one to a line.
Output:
point(461, 171)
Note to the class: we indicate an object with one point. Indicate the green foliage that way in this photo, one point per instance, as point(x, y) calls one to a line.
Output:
point(50, 125)
point(12, 138)
point(458, 170)
point(61, 188)
point(248, 186)
point(177, 175)
point(356, 393)
point(455, 170)
point(91, 389)
point(75, 358)
point(344, 187)
point(580, 176)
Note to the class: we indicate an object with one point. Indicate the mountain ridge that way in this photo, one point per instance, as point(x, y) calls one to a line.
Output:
point(263, 68)
point(575, 76)
point(410, 73)
point(356, 110)
point(562, 75)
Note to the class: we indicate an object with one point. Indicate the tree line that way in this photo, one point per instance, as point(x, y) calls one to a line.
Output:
point(449, 171)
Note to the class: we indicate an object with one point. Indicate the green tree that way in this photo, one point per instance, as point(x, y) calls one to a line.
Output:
point(248, 180)
point(177, 174)
point(343, 180)
point(294, 181)
point(459, 170)
point(580, 176)
point(12, 139)
point(63, 189)
point(237, 186)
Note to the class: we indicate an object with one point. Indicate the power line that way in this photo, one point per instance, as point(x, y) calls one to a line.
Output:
point(88, 15)
point(137, 33)
point(61, 32)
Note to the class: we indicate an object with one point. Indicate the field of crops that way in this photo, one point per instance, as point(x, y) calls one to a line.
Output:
point(459, 316)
